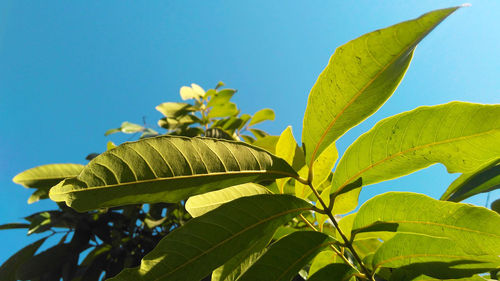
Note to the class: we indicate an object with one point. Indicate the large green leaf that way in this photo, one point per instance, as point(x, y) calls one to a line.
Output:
point(46, 176)
point(475, 229)
point(431, 255)
point(287, 256)
point(486, 178)
point(359, 78)
point(166, 169)
point(9, 268)
point(206, 242)
point(233, 268)
point(200, 204)
point(462, 136)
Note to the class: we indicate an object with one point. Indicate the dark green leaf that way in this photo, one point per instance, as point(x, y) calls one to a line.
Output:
point(334, 271)
point(204, 243)
point(9, 268)
point(45, 262)
point(287, 256)
point(14, 226)
point(484, 179)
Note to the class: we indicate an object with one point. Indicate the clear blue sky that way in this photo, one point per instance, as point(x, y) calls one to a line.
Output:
point(70, 71)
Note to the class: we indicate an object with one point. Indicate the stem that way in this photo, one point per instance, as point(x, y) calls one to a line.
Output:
point(334, 221)
point(331, 246)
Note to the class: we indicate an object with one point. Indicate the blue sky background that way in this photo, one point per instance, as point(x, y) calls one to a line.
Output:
point(70, 71)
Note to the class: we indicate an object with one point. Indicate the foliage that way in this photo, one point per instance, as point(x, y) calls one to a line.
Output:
point(118, 237)
point(269, 209)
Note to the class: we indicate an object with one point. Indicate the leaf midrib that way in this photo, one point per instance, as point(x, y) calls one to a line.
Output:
point(361, 91)
point(179, 177)
point(358, 230)
point(410, 150)
point(463, 257)
point(230, 238)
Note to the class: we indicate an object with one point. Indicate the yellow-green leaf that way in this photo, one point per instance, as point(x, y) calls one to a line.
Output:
point(207, 242)
point(359, 78)
point(462, 136)
point(46, 176)
point(200, 204)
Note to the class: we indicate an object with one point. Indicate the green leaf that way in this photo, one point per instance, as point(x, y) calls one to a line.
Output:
point(475, 229)
point(268, 143)
point(433, 254)
point(204, 243)
point(334, 271)
point(462, 136)
point(495, 206)
point(287, 256)
point(200, 204)
point(46, 176)
point(261, 116)
point(167, 169)
point(9, 268)
point(39, 194)
point(45, 262)
point(258, 133)
point(193, 92)
point(221, 97)
point(323, 259)
point(174, 109)
point(359, 78)
point(484, 179)
point(14, 226)
point(127, 128)
point(223, 110)
point(233, 268)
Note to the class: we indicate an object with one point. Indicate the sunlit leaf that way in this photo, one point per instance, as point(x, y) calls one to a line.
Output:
point(193, 92)
point(174, 109)
point(203, 203)
point(431, 254)
point(206, 242)
point(221, 97)
point(462, 136)
point(261, 116)
point(475, 229)
point(223, 110)
point(359, 78)
point(167, 169)
point(46, 176)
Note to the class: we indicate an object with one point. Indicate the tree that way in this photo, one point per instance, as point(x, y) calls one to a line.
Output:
point(271, 213)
